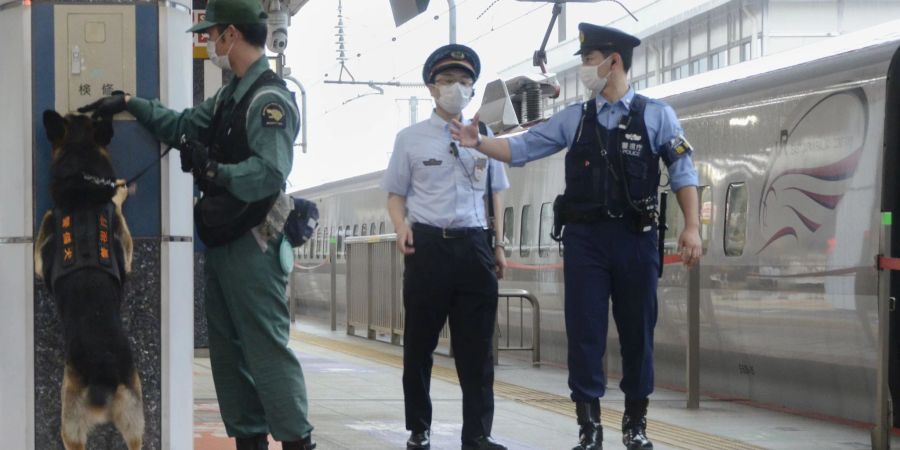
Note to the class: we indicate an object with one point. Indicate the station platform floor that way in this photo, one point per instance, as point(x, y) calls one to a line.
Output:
point(356, 402)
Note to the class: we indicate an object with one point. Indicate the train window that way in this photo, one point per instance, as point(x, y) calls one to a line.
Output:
point(544, 230)
point(706, 216)
point(363, 232)
point(526, 240)
point(340, 242)
point(736, 204)
point(355, 230)
point(508, 229)
point(381, 228)
point(372, 229)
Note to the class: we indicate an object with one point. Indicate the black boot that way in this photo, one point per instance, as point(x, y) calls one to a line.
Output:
point(258, 442)
point(634, 425)
point(483, 443)
point(303, 444)
point(590, 436)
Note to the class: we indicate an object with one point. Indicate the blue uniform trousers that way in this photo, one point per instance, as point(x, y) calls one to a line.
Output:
point(601, 260)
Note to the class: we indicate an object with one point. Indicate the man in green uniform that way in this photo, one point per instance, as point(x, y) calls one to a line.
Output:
point(247, 131)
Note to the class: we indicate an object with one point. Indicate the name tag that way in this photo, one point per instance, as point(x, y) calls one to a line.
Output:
point(480, 168)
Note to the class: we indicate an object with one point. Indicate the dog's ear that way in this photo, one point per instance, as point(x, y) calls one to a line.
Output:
point(103, 131)
point(55, 125)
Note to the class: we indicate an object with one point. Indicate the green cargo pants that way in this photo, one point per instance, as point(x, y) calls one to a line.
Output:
point(258, 380)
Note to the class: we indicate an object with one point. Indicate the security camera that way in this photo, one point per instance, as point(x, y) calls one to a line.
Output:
point(278, 31)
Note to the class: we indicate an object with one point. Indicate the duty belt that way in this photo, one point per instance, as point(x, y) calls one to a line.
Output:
point(594, 215)
point(448, 233)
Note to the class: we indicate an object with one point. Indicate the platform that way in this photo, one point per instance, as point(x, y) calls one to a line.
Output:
point(356, 402)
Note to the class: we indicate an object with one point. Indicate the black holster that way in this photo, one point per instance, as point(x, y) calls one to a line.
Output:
point(662, 227)
point(559, 222)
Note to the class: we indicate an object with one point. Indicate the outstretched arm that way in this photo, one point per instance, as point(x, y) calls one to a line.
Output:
point(469, 136)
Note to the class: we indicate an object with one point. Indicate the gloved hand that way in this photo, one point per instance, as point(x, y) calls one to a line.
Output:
point(106, 106)
point(204, 168)
point(185, 149)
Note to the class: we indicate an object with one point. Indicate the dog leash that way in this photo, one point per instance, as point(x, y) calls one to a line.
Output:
point(111, 183)
point(148, 167)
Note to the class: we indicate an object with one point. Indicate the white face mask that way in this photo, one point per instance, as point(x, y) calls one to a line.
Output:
point(222, 61)
point(590, 77)
point(454, 98)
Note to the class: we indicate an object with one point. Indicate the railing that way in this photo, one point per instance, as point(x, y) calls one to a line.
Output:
point(375, 294)
point(375, 287)
point(535, 347)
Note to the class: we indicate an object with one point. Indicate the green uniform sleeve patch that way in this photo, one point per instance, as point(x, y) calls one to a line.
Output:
point(273, 116)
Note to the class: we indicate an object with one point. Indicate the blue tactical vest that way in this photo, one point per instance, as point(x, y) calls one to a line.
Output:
point(601, 163)
point(84, 239)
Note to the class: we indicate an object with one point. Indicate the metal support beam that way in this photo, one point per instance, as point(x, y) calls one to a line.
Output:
point(561, 37)
point(303, 115)
point(332, 260)
point(452, 4)
point(693, 339)
point(881, 434)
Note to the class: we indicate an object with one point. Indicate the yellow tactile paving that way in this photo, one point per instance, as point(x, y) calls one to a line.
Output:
point(663, 432)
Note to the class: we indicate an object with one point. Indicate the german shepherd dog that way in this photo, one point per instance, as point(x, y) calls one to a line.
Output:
point(100, 382)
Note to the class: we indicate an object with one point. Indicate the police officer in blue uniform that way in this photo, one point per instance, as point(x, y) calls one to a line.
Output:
point(609, 212)
point(436, 200)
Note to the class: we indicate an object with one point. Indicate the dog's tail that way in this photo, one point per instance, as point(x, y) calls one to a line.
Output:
point(103, 379)
point(99, 395)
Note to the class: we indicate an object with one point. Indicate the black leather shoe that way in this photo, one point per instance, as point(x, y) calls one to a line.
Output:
point(483, 443)
point(590, 433)
point(258, 442)
point(420, 440)
point(303, 444)
point(634, 433)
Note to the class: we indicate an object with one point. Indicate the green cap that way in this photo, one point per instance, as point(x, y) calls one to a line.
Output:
point(227, 12)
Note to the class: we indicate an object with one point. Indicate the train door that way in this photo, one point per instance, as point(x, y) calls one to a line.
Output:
point(891, 202)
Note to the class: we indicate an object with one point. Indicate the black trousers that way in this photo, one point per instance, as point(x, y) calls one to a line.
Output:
point(450, 277)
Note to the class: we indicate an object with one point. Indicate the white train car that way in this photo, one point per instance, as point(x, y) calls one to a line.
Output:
point(796, 154)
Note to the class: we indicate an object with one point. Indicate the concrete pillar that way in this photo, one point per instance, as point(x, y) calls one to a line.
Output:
point(157, 311)
point(16, 302)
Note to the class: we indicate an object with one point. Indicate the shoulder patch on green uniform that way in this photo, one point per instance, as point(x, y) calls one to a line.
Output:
point(273, 115)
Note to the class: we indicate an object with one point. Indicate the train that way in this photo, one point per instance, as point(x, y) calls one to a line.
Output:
point(796, 154)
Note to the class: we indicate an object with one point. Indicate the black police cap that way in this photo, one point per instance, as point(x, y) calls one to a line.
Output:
point(595, 37)
point(449, 57)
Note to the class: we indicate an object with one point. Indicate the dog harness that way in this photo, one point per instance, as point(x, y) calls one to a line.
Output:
point(84, 239)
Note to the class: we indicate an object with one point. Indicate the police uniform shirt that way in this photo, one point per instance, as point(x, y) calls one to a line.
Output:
point(558, 132)
point(272, 126)
point(441, 189)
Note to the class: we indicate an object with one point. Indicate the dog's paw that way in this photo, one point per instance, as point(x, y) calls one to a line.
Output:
point(121, 193)
point(39, 269)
